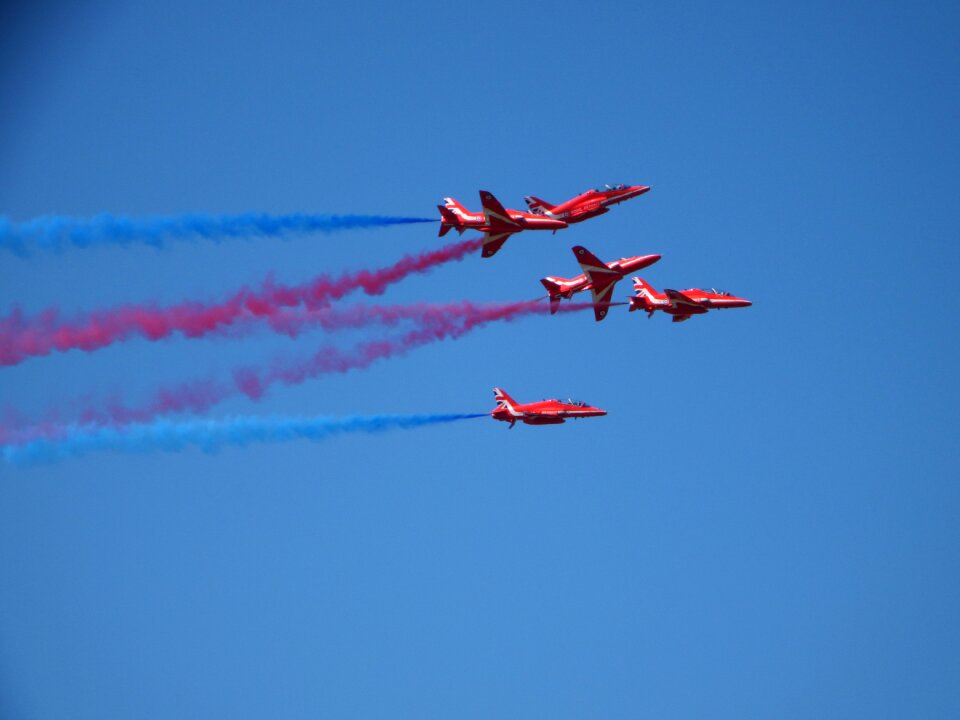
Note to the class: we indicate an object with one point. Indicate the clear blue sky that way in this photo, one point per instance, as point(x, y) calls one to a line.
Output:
point(765, 524)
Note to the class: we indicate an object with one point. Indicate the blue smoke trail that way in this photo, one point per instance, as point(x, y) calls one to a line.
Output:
point(209, 435)
point(53, 232)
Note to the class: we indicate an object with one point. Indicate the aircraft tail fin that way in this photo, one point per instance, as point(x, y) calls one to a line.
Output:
point(503, 400)
point(447, 220)
point(454, 205)
point(554, 291)
point(551, 285)
point(538, 206)
point(645, 297)
point(642, 287)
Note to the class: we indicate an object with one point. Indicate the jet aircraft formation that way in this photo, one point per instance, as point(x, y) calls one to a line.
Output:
point(498, 224)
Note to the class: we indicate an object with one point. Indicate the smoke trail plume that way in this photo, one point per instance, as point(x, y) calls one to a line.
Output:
point(445, 322)
point(23, 336)
point(209, 435)
point(53, 232)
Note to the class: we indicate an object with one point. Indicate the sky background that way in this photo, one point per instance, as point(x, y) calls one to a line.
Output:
point(765, 524)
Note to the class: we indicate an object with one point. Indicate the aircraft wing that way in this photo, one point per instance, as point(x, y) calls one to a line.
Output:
point(601, 299)
point(679, 298)
point(495, 215)
point(602, 279)
point(492, 242)
point(595, 269)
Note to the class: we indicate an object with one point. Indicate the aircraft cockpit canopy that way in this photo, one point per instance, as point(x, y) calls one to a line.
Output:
point(608, 188)
point(719, 292)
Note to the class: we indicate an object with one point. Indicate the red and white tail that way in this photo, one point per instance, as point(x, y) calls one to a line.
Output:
point(552, 285)
point(646, 297)
point(554, 291)
point(503, 400)
point(644, 289)
point(448, 221)
point(538, 206)
point(456, 208)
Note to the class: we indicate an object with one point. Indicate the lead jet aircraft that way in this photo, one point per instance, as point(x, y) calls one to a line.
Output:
point(587, 204)
point(598, 277)
point(682, 303)
point(545, 412)
point(496, 222)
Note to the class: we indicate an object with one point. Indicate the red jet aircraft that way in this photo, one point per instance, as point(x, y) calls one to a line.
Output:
point(545, 412)
point(598, 277)
point(496, 222)
point(682, 303)
point(585, 205)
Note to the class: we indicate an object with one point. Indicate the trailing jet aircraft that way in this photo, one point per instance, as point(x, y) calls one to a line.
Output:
point(587, 204)
point(496, 222)
point(682, 303)
point(598, 277)
point(545, 412)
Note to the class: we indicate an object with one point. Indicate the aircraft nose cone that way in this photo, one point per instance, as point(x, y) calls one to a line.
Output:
point(641, 189)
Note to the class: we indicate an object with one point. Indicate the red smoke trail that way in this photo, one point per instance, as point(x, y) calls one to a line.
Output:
point(22, 337)
point(293, 322)
point(436, 324)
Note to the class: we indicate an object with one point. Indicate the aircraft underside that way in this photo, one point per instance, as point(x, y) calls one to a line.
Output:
point(543, 420)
